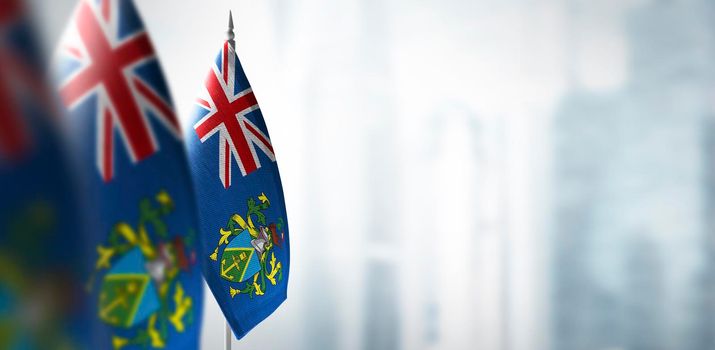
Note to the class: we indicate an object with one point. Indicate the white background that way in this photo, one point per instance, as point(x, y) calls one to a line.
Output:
point(416, 140)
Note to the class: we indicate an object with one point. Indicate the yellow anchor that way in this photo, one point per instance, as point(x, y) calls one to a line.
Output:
point(120, 301)
point(236, 262)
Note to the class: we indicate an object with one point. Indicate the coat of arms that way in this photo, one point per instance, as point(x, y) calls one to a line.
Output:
point(140, 295)
point(245, 250)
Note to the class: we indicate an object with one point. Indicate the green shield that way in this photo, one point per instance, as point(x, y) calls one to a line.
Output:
point(239, 260)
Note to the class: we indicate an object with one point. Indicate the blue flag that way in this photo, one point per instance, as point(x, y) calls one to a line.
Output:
point(41, 261)
point(243, 226)
point(146, 287)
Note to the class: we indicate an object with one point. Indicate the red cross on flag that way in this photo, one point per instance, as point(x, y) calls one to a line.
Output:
point(227, 105)
point(103, 56)
point(23, 83)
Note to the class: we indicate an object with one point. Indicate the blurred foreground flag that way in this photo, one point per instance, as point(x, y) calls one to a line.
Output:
point(146, 288)
point(243, 228)
point(41, 258)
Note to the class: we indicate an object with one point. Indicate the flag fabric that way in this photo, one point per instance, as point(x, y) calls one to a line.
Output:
point(146, 286)
point(38, 213)
point(243, 226)
point(21, 77)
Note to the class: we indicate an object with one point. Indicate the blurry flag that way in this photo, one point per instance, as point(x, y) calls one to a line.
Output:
point(146, 288)
point(40, 299)
point(243, 228)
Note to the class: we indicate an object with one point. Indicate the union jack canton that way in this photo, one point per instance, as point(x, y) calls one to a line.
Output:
point(107, 54)
point(226, 106)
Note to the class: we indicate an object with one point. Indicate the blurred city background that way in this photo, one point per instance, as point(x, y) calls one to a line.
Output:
point(482, 174)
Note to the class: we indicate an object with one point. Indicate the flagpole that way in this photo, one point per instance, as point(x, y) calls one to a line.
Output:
point(227, 337)
point(230, 33)
point(231, 36)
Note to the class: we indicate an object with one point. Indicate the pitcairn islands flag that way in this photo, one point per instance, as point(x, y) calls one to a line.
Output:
point(243, 226)
point(146, 286)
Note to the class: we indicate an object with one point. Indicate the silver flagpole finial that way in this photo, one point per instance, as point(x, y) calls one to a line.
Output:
point(231, 35)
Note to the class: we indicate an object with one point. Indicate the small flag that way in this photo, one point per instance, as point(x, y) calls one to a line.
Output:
point(146, 287)
point(243, 225)
point(39, 226)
